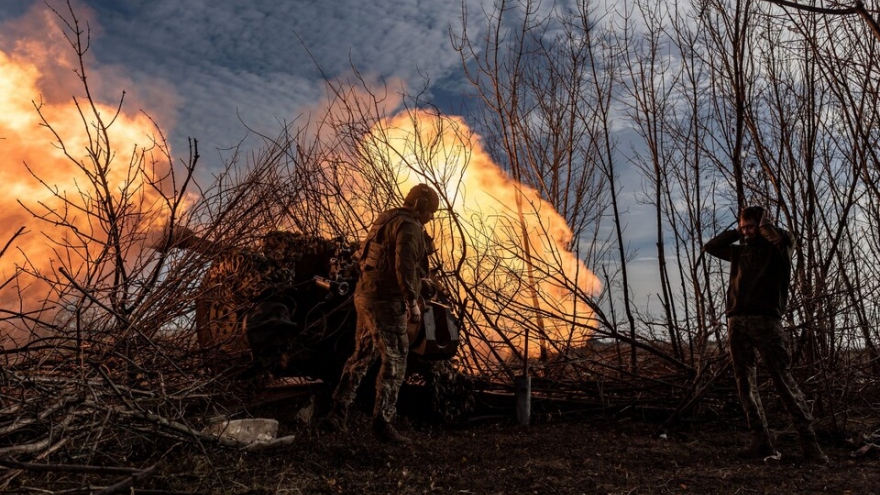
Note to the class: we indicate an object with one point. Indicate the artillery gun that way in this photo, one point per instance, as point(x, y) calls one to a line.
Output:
point(287, 310)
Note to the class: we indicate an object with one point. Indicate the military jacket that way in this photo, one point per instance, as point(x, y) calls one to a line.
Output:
point(393, 256)
point(760, 270)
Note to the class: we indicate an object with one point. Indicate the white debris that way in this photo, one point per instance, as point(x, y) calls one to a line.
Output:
point(246, 430)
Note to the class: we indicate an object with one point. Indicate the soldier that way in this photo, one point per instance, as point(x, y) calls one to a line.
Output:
point(760, 272)
point(392, 260)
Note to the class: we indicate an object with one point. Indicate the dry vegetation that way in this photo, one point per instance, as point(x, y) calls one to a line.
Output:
point(103, 388)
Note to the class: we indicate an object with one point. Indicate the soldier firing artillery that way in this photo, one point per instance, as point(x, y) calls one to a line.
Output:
point(288, 309)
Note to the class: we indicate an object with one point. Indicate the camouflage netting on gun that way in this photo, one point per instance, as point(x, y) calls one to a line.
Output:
point(234, 284)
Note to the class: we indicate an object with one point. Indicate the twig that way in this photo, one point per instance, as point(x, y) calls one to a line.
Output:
point(128, 482)
point(26, 448)
point(272, 444)
point(66, 468)
point(14, 473)
point(16, 234)
point(186, 430)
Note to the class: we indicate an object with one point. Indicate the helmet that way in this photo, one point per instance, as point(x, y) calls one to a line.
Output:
point(422, 198)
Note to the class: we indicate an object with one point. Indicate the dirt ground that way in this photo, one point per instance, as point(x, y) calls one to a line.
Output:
point(575, 452)
point(556, 454)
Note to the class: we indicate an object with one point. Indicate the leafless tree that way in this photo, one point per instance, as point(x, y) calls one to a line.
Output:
point(695, 108)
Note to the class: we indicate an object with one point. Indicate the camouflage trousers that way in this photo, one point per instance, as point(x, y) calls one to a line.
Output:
point(380, 334)
point(764, 334)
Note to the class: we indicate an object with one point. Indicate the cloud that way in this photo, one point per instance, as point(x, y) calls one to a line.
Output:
point(37, 71)
point(260, 59)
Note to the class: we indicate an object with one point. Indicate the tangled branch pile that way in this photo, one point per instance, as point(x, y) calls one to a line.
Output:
point(102, 358)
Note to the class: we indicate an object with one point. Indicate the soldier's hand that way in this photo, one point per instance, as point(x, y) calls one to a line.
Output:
point(413, 311)
point(766, 219)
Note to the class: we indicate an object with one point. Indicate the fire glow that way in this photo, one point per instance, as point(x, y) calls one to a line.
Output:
point(37, 77)
point(509, 245)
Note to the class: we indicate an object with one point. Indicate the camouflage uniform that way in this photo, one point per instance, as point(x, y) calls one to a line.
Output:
point(760, 272)
point(765, 334)
point(391, 259)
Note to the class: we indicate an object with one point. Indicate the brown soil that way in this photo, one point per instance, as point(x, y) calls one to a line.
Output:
point(568, 454)
point(559, 453)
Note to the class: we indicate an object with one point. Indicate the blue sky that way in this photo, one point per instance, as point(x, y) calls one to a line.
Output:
point(205, 69)
point(257, 61)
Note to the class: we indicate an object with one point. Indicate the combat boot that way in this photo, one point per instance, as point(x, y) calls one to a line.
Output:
point(811, 450)
point(386, 432)
point(759, 447)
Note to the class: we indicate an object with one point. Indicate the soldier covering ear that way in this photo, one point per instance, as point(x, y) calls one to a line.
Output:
point(760, 255)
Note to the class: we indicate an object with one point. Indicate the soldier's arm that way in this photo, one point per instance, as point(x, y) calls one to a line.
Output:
point(409, 247)
point(720, 246)
point(778, 237)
